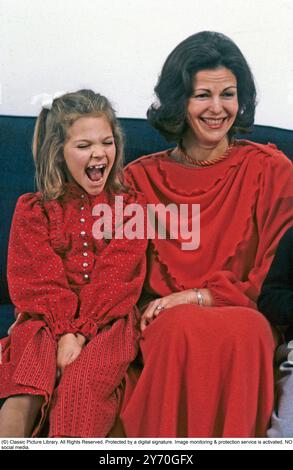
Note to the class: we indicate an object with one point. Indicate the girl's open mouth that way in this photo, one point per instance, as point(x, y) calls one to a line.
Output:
point(96, 172)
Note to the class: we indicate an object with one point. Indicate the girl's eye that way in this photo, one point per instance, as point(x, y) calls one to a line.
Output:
point(109, 142)
point(83, 146)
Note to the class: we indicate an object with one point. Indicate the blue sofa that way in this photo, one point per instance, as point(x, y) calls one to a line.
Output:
point(17, 174)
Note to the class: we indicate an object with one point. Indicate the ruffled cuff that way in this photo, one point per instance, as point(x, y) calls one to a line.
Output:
point(88, 328)
point(226, 290)
point(64, 327)
point(218, 299)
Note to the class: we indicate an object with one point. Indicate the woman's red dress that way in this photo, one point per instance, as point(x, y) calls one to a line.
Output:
point(208, 371)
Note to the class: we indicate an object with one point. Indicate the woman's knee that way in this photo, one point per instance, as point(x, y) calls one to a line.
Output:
point(235, 324)
point(252, 325)
point(173, 325)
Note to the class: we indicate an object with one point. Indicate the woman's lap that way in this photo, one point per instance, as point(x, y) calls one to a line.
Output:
point(208, 351)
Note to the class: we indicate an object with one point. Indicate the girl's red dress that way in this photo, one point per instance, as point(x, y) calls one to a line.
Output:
point(208, 371)
point(63, 280)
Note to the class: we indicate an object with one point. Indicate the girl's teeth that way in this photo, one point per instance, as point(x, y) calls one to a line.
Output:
point(95, 172)
point(97, 166)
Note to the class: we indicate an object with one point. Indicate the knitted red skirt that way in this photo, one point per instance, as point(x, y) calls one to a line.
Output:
point(85, 401)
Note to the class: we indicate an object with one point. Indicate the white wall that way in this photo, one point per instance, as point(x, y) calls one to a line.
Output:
point(117, 47)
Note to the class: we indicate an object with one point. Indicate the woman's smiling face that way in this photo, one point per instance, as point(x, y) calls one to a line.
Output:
point(212, 107)
point(89, 152)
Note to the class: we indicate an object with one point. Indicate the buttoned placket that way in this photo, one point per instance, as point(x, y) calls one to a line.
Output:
point(85, 244)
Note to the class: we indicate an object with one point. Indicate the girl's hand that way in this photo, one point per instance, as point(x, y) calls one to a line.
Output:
point(80, 339)
point(13, 325)
point(69, 348)
point(185, 297)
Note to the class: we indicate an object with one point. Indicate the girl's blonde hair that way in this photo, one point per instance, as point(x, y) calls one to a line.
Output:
point(50, 135)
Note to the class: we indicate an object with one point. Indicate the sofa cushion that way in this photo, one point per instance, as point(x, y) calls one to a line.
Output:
point(6, 318)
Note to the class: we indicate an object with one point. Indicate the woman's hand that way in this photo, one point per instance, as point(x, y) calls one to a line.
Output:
point(185, 297)
point(69, 348)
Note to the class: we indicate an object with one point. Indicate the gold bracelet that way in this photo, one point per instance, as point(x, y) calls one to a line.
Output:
point(199, 296)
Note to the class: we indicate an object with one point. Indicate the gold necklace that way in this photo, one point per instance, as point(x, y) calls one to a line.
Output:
point(187, 158)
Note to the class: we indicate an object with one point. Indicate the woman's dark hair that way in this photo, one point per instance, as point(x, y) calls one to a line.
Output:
point(201, 51)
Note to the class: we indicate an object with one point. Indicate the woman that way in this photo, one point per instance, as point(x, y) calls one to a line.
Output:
point(207, 351)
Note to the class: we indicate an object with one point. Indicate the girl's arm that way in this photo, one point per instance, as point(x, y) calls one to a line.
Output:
point(37, 282)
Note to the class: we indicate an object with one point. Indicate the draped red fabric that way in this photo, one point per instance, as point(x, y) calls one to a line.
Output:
point(208, 370)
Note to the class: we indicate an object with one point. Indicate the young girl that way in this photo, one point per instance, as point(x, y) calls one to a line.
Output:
point(75, 294)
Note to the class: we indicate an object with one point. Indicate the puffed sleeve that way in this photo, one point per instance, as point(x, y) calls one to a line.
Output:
point(36, 278)
point(273, 216)
point(117, 279)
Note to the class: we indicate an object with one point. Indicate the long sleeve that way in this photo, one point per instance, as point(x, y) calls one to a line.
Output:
point(273, 215)
point(246, 204)
point(116, 281)
point(115, 287)
point(36, 277)
point(276, 298)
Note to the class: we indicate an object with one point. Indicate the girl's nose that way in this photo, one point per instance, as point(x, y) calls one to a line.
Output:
point(98, 151)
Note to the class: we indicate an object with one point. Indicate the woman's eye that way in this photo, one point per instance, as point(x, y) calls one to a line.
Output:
point(84, 146)
point(109, 142)
point(201, 96)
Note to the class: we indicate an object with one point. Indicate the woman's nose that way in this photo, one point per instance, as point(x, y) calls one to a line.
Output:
point(216, 105)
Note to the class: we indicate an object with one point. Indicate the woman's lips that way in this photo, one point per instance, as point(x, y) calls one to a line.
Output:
point(214, 123)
